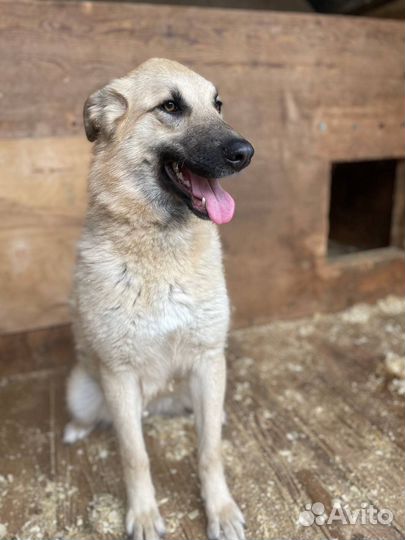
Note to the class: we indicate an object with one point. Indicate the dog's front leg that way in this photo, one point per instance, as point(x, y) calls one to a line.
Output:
point(208, 390)
point(124, 398)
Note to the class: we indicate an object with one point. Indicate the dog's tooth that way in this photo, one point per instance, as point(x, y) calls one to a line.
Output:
point(203, 202)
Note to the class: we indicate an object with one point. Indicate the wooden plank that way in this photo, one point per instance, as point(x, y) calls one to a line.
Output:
point(311, 418)
point(398, 210)
point(43, 181)
point(42, 203)
point(314, 385)
point(36, 353)
point(42, 206)
point(36, 272)
point(347, 6)
point(337, 130)
point(394, 9)
point(67, 49)
point(306, 75)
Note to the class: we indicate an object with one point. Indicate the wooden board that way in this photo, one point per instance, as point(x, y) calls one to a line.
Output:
point(312, 417)
point(42, 203)
point(68, 49)
point(398, 211)
point(306, 90)
point(393, 9)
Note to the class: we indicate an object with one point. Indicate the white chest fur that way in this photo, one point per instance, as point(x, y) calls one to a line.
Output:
point(158, 316)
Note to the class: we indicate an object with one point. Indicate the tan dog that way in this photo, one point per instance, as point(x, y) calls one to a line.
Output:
point(150, 301)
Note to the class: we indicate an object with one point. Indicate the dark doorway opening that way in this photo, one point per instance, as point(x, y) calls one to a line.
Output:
point(362, 205)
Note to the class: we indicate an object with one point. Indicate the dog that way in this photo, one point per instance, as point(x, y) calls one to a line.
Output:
point(150, 302)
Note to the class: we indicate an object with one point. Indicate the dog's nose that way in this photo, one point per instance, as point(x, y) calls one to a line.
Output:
point(238, 153)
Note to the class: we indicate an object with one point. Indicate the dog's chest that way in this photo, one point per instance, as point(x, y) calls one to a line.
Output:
point(158, 313)
point(162, 309)
point(168, 325)
point(170, 309)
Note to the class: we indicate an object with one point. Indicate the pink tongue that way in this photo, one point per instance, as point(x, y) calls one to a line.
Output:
point(220, 205)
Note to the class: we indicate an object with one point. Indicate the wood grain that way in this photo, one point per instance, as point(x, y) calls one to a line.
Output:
point(311, 418)
point(306, 90)
point(68, 49)
point(42, 204)
point(43, 181)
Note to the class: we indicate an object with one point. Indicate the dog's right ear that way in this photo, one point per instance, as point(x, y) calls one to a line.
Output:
point(102, 111)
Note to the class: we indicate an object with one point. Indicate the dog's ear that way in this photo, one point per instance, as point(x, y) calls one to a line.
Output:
point(102, 111)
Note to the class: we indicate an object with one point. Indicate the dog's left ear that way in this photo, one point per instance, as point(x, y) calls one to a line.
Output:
point(102, 111)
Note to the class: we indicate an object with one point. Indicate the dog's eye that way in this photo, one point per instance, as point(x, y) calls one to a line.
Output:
point(170, 107)
point(218, 105)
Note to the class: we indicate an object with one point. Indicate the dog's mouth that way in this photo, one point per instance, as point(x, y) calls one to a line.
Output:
point(204, 196)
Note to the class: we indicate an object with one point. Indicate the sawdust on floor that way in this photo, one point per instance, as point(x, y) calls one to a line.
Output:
point(285, 346)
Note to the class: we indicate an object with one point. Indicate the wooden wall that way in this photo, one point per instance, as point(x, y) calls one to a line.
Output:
point(305, 89)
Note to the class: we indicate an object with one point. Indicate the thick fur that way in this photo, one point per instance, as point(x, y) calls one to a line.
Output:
point(150, 301)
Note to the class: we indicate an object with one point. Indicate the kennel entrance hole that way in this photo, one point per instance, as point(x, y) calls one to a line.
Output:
point(366, 206)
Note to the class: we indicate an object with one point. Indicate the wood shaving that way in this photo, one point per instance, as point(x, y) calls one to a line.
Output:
point(106, 515)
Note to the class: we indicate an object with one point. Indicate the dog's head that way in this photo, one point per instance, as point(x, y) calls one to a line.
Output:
point(160, 133)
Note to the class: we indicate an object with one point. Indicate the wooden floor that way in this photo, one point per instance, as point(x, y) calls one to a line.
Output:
point(315, 414)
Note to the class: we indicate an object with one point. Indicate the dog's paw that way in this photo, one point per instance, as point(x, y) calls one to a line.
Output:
point(225, 522)
point(75, 432)
point(145, 525)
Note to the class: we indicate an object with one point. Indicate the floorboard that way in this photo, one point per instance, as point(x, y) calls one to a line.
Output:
point(315, 414)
